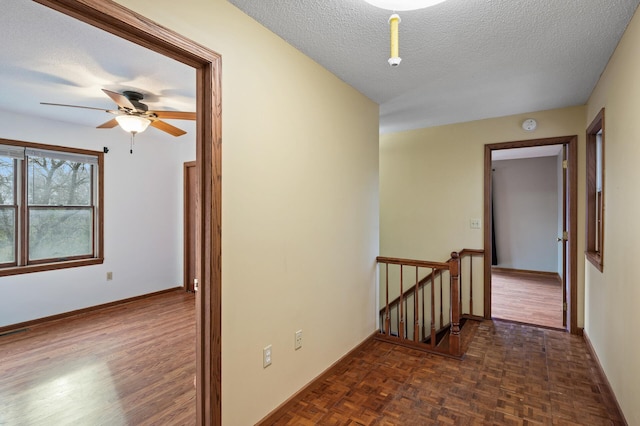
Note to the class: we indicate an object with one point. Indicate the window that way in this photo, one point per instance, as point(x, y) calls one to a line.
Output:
point(50, 210)
point(595, 191)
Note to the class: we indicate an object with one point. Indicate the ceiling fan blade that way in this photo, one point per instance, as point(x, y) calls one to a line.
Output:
point(78, 106)
point(109, 124)
point(120, 100)
point(175, 115)
point(166, 127)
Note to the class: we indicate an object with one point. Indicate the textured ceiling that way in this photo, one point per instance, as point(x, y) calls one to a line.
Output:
point(46, 56)
point(462, 60)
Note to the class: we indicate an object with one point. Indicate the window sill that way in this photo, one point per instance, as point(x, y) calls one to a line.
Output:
point(17, 270)
point(595, 259)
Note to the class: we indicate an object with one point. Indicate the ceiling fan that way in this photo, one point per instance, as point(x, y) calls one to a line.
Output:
point(134, 117)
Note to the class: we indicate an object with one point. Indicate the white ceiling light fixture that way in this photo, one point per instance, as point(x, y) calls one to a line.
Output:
point(133, 123)
point(403, 5)
point(394, 20)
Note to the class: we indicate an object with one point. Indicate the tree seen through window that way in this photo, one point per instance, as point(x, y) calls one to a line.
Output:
point(48, 207)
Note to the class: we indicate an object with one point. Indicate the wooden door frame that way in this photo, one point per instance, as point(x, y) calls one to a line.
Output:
point(572, 271)
point(186, 192)
point(124, 23)
point(565, 225)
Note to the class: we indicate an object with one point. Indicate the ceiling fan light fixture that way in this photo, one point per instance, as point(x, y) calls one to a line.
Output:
point(133, 123)
point(402, 5)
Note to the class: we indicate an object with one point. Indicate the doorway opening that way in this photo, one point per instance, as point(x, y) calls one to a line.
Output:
point(531, 232)
point(128, 25)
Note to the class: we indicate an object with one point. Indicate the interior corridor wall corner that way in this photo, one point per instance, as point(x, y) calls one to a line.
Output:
point(299, 207)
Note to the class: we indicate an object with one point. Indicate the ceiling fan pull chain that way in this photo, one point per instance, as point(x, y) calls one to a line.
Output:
point(133, 134)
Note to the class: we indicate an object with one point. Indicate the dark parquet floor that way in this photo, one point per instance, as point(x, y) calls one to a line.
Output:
point(512, 374)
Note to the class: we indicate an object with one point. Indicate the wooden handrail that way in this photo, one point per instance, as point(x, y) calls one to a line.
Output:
point(465, 252)
point(412, 262)
point(439, 266)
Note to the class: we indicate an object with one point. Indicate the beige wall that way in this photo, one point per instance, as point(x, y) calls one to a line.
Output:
point(611, 308)
point(300, 207)
point(431, 184)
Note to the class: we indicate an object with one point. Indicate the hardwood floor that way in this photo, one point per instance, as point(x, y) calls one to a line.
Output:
point(527, 298)
point(512, 374)
point(131, 364)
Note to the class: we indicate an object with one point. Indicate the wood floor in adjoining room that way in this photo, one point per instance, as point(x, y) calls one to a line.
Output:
point(512, 374)
point(131, 364)
point(528, 298)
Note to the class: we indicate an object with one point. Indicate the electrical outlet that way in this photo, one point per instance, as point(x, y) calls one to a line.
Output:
point(109, 276)
point(474, 223)
point(298, 344)
point(266, 357)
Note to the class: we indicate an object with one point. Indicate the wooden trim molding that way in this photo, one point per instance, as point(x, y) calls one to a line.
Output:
point(288, 404)
point(546, 327)
point(124, 23)
point(594, 222)
point(572, 270)
point(188, 239)
point(65, 315)
point(488, 229)
point(545, 274)
point(27, 269)
point(603, 384)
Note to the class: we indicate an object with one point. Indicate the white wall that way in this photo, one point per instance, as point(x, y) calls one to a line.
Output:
point(525, 202)
point(142, 222)
point(612, 296)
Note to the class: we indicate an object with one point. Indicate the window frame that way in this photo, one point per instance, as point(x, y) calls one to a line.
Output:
point(22, 264)
point(595, 206)
point(16, 212)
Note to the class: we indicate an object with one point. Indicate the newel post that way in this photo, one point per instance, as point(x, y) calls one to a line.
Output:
point(387, 318)
point(454, 335)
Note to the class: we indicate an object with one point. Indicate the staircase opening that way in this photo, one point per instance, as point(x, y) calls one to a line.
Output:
point(425, 305)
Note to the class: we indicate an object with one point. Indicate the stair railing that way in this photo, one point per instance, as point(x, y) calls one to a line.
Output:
point(415, 317)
